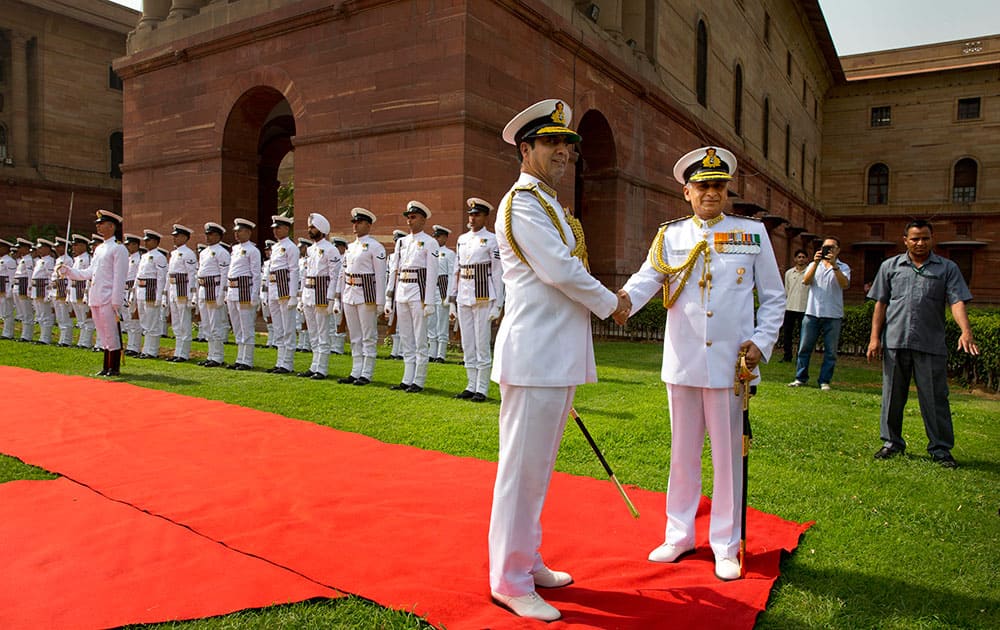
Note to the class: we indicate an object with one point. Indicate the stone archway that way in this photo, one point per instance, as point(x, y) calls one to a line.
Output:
point(596, 195)
point(258, 134)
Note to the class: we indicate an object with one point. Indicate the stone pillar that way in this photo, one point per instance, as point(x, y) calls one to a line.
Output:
point(18, 140)
point(180, 9)
point(610, 18)
point(153, 12)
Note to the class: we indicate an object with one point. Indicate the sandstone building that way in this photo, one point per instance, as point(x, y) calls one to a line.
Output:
point(60, 110)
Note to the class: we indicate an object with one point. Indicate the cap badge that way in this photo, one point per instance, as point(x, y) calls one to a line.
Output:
point(559, 114)
point(711, 160)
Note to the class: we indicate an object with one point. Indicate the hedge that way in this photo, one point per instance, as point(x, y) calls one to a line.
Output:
point(984, 370)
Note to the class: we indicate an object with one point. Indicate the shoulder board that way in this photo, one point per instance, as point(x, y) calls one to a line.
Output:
point(676, 220)
point(525, 188)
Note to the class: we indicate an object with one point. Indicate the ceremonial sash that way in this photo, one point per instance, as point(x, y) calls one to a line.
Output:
point(480, 274)
point(180, 282)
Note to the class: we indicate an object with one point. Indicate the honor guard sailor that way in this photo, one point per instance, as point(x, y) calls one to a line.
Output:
point(106, 273)
point(478, 293)
point(150, 285)
point(392, 277)
point(243, 293)
point(59, 288)
point(707, 265)
point(8, 265)
point(213, 266)
point(129, 314)
point(282, 287)
point(415, 296)
point(550, 297)
point(338, 328)
point(22, 285)
point(78, 292)
point(182, 271)
point(41, 276)
point(264, 310)
point(321, 268)
point(362, 296)
point(437, 323)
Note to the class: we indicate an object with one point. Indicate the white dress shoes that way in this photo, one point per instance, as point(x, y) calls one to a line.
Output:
point(669, 553)
point(531, 606)
point(727, 568)
point(547, 578)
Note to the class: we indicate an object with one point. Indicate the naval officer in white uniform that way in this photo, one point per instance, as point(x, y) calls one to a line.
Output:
point(708, 265)
point(550, 296)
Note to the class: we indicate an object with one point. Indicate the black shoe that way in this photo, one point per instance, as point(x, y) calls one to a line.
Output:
point(234, 366)
point(347, 380)
point(477, 398)
point(242, 367)
point(414, 389)
point(144, 356)
point(361, 381)
point(946, 461)
point(282, 370)
point(306, 374)
point(318, 377)
point(180, 360)
point(103, 372)
point(401, 386)
point(212, 364)
point(888, 453)
point(465, 395)
point(271, 370)
point(203, 362)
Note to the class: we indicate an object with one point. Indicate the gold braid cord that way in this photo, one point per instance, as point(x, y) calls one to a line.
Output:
point(580, 251)
point(684, 269)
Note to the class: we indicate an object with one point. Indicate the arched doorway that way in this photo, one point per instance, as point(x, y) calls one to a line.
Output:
point(258, 136)
point(596, 195)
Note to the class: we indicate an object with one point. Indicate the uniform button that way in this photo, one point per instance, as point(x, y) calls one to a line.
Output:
point(708, 343)
point(708, 313)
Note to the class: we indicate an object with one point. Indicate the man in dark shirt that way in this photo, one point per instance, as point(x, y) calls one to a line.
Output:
point(911, 291)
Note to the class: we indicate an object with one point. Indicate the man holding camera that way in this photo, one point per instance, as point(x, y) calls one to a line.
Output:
point(826, 277)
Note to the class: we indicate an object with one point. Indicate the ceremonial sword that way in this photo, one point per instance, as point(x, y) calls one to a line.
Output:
point(743, 389)
point(604, 462)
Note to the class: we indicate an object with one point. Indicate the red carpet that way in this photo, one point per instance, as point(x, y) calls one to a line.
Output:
point(401, 526)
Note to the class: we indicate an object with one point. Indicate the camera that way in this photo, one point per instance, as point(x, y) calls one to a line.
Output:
point(825, 251)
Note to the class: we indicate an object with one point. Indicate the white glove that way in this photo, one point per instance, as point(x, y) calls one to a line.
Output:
point(388, 309)
point(452, 313)
point(379, 308)
point(428, 310)
point(335, 307)
point(494, 312)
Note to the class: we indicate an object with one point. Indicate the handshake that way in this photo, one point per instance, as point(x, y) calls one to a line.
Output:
point(621, 313)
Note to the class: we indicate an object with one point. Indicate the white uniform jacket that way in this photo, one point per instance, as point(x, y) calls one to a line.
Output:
point(182, 269)
point(706, 326)
point(107, 271)
point(446, 268)
point(40, 277)
point(7, 268)
point(283, 271)
point(151, 278)
point(545, 338)
point(78, 288)
point(364, 263)
point(474, 251)
point(25, 267)
point(322, 273)
point(417, 251)
point(244, 263)
point(55, 279)
point(213, 267)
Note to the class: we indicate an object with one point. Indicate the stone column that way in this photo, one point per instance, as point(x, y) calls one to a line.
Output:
point(180, 9)
point(153, 12)
point(610, 18)
point(18, 140)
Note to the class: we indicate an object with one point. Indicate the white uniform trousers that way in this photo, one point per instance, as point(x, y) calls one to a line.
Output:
point(150, 323)
point(106, 322)
point(437, 331)
point(692, 411)
point(85, 324)
point(412, 328)
point(304, 341)
point(395, 348)
point(532, 420)
point(7, 315)
point(131, 327)
point(213, 329)
point(362, 326)
point(64, 321)
point(45, 318)
point(337, 339)
point(283, 323)
point(474, 322)
point(318, 326)
point(26, 313)
point(243, 319)
point(180, 321)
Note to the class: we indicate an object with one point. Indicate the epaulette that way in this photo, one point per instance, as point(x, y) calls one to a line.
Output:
point(676, 220)
point(524, 188)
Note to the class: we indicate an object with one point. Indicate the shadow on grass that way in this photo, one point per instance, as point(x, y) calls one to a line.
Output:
point(618, 414)
point(158, 379)
point(873, 601)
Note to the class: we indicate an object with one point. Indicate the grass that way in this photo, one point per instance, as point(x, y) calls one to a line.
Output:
point(896, 544)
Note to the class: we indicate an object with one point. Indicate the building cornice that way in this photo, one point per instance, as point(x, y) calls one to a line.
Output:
point(100, 13)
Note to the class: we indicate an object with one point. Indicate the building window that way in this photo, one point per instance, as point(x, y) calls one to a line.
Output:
point(964, 184)
point(815, 108)
point(738, 100)
point(114, 81)
point(878, 184)
point(968, 108)
point(876, 230)
point(962, 257)
point(802, 166)
point(117, 154)
point(788, 64)
point(873, 260)
point(788, 149)
point(963, 228)
point(803, 91)
point(812, 184)
point(3, 143)
point(701, 64)
point(767, 29)
point(766, 140)
point(881, 116)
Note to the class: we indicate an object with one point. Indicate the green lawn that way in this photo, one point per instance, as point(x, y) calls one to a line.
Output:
point(896, 544)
